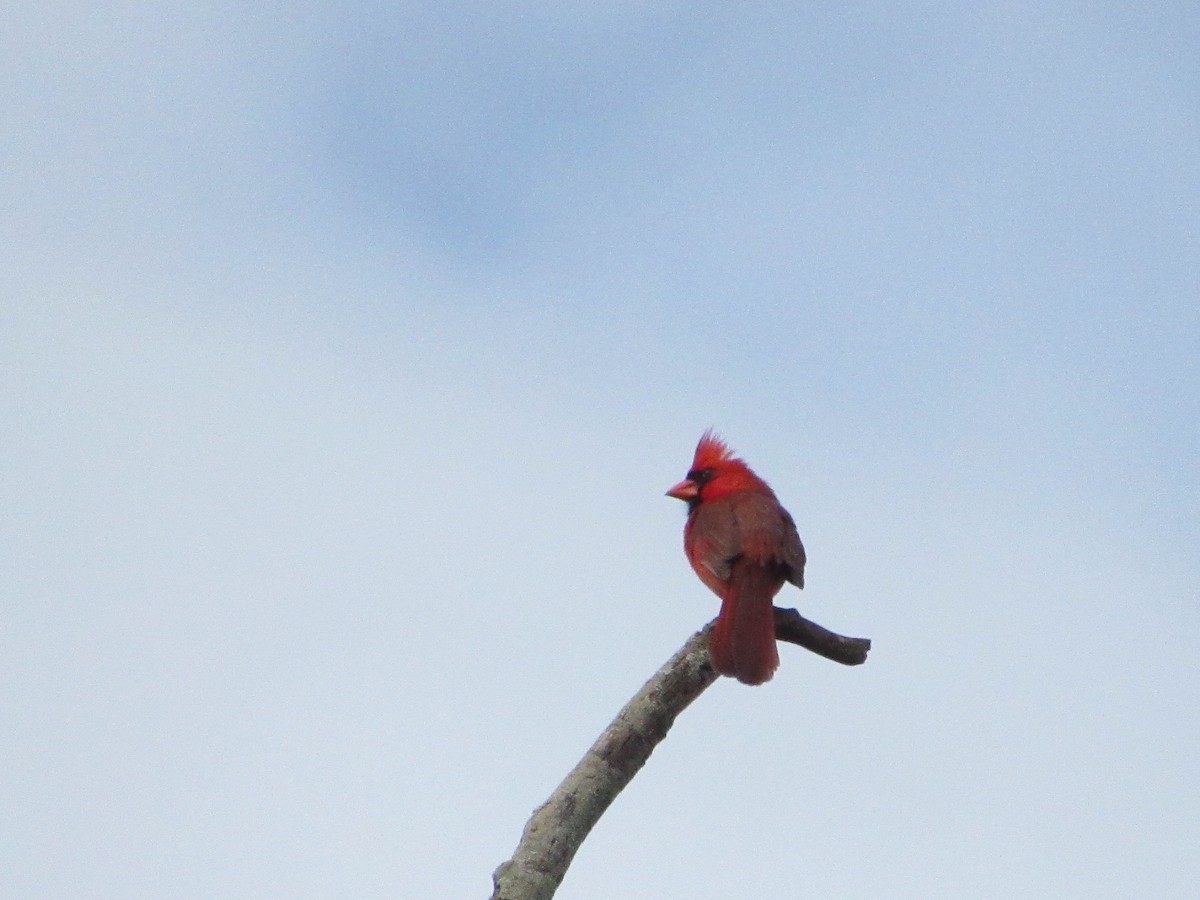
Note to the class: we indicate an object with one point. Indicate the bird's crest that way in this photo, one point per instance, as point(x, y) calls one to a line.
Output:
point(712, 452)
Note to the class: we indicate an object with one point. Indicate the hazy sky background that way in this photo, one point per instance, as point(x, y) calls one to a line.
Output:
point(346, 351)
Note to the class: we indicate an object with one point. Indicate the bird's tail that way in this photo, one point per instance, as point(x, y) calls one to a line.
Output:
point(743, 641)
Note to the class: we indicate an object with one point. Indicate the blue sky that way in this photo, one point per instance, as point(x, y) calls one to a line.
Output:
point(347, 350)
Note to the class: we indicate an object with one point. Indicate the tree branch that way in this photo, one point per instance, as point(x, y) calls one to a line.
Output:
point(558, 827)
point(792, 627)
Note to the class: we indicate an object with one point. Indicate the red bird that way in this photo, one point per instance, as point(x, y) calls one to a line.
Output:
point(744, 546)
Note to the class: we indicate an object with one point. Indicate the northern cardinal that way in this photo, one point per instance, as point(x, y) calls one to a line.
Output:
point(743, 544)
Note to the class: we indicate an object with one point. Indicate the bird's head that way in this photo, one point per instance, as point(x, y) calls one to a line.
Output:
point(715, 472)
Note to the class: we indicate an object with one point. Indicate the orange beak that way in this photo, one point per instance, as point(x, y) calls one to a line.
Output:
point(685, 490)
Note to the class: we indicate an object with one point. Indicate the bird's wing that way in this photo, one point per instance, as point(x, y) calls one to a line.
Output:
point(750, 524)
point(792, 550)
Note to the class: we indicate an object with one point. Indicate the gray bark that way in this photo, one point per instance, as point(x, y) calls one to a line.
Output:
point(558, 827)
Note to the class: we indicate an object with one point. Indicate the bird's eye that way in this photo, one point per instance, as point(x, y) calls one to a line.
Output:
point(701, 476)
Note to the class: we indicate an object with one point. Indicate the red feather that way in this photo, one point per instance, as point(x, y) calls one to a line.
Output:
point(743, 545)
